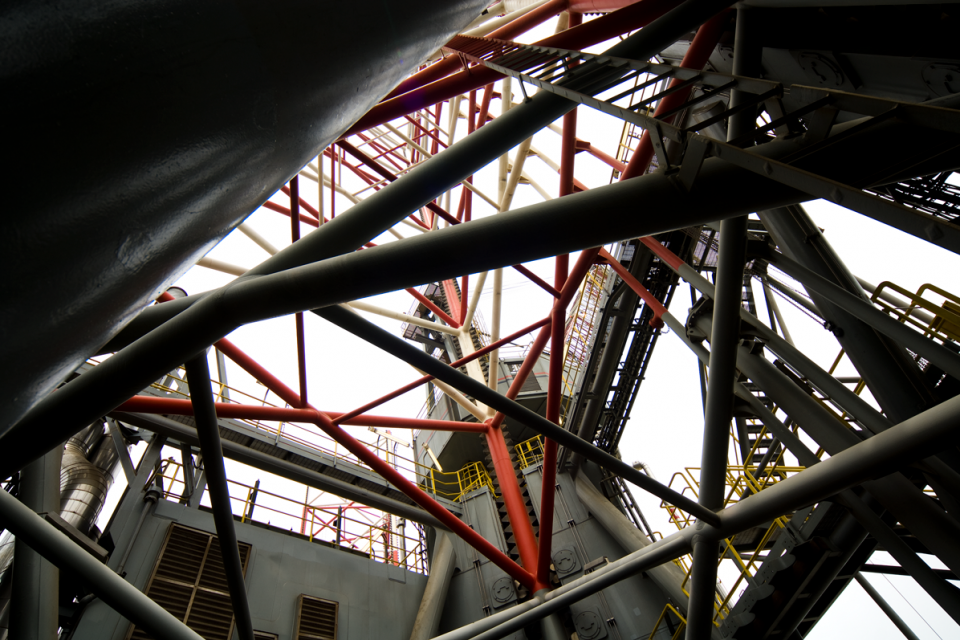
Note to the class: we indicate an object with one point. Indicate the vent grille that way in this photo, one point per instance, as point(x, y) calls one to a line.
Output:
point(316, 619)
point(263, 635)
point(189, 581)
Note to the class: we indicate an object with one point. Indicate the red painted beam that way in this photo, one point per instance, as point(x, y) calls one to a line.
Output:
point(590, 33)
point(178, 407)
point(648, 298)
point(437, 310)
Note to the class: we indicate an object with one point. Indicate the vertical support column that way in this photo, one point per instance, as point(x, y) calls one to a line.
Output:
point(301, 344)
point(34, 606)
point(723, 360)
point(208, 433)
point(442, 565)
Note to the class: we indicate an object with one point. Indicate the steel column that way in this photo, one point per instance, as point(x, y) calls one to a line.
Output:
point(724, 339)
point(208, 432)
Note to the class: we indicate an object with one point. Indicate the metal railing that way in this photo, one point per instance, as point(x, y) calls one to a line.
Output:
point(530, 452)
point(378, 535)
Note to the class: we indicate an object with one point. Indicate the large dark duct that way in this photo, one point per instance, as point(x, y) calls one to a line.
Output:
point(141, 133)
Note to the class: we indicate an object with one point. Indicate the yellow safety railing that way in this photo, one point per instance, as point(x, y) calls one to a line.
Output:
point(530, 452)
point(377, 536)
point(678, 632)
point(454, 485)
point(742, 481)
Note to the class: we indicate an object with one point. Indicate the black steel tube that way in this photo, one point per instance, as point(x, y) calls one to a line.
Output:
point(403, 350)
point(886, 608)
point(208, 432)
point(719, 411)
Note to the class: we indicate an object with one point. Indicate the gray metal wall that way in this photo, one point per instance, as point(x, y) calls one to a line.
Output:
point(376, 600)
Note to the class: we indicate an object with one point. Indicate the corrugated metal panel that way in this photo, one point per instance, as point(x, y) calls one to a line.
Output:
point(316, 619)
point(189, 581)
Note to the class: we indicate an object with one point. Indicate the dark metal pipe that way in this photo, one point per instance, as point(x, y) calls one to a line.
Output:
point(396, 346)
point(886, 608)
point(208, 432)
point(719, 411)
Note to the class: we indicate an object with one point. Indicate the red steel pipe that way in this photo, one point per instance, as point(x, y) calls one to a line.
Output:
point(708, 35)
point(430, 505)
point(409, 489)
point(583, 264)
point(437, 310)
point(589, 33)
point(178, 407)
point(648, 298)
point(513, 501)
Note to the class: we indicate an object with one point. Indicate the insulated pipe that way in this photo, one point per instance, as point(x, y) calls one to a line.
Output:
point(442, 565)
point(208, 432)
point(63, 552)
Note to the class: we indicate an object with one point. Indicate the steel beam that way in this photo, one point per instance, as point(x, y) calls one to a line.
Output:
point(208, 432)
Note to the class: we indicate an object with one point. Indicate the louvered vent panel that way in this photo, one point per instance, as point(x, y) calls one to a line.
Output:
point(189, 582)
point(211, 615)
point(262, 635)
point(316, 619)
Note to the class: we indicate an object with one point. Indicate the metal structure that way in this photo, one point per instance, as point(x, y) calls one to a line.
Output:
point(430, 156)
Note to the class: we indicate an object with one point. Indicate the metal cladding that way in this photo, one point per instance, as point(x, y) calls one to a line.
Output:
point(145, 132)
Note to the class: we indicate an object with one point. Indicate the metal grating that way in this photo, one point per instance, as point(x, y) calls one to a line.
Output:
point(189, 582)
point(316, 619)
